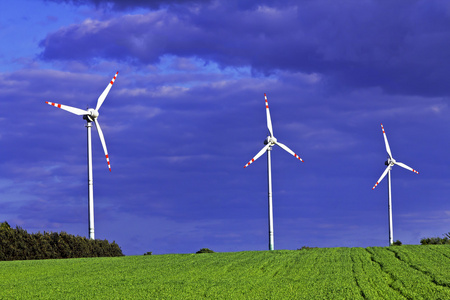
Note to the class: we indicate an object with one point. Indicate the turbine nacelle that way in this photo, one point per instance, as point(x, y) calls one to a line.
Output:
point(92, 115)
point(390, 162)
point(270, 140)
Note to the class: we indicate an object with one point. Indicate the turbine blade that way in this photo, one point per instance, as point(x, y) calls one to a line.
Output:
point(388, 149)
point(269, 121)
point(105, 93)
point(288, 150)
point(257, 155)
point(381, 177)
point(71, 109)
point(406, 167)
point(102, 139)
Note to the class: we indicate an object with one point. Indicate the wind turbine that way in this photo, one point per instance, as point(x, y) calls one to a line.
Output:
point(269, 142)
point(90, 116)
point(390, 163)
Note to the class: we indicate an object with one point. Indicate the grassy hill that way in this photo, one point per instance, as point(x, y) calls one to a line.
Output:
point(405, 272)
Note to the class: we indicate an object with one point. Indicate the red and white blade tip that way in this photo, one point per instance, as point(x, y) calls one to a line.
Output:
point(53, 104)
point(375, 186)
point(114, 78)
point(298, 157)
point(107, 160)
point(249, 163)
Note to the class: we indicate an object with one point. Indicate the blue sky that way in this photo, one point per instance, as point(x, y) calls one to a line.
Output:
point(186, 113)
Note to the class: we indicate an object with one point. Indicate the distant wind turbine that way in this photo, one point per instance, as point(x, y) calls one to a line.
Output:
point(90, 116)
point(390, 163)
point(269, 142)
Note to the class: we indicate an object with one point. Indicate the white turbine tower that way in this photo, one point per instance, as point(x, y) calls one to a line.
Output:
point(90, 116)
point(390, 163)
point(269, 142)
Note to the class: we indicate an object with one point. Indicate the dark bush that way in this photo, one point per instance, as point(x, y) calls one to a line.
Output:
point(17, 244)
point(306, 248)
point(204, 250)
point(435, 241)
point(148, 253)
point(397, 243)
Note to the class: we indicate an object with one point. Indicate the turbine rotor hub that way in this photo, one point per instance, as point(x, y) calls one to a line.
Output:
point(270, 140)
point(93, 113)
point(390, 161)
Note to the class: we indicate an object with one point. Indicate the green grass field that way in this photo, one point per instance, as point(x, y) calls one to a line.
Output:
point(405, 272)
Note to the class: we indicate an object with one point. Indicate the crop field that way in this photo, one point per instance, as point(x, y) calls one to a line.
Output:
point(404, 272)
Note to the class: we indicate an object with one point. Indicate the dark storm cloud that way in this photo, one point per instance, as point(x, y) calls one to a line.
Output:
point(401, 46)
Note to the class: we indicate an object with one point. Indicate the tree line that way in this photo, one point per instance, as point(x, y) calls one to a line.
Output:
point(18, 244)
point(436, 240)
